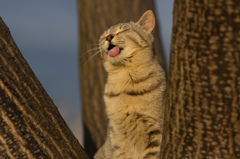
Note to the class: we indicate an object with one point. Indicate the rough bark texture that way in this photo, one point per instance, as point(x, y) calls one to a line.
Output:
point(95, 17)
point(30, 124)
point(203, 113)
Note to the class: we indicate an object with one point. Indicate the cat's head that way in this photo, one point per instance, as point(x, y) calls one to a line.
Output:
point(120, 43)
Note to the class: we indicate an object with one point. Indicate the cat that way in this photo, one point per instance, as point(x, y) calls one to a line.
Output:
point(134, 92)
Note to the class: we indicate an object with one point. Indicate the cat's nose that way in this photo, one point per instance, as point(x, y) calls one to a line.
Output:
point(109, 37)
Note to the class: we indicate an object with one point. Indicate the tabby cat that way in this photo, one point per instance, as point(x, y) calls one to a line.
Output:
point(134, 92)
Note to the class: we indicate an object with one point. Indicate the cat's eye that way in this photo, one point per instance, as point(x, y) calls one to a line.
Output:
point(124, 30)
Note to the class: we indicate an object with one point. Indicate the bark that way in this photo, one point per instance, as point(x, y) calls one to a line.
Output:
point(203, 106)
point(96, 16)
point(30, 124)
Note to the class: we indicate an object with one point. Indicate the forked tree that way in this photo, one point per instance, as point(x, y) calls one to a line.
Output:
point(202, 118)
point(202, 115)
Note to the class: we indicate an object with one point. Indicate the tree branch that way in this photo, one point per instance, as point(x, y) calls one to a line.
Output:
point(202, 114)
point(30, 124)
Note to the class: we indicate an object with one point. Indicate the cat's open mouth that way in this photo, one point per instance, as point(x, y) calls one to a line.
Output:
point(114, 50)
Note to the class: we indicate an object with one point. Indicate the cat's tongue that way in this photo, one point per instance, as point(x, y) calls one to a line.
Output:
point(114, 51)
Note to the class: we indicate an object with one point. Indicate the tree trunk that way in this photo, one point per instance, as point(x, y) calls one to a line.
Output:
point(30, 124)
point(203, 106)
point(96, 16)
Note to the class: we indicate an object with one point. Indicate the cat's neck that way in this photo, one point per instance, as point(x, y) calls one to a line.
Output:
point(138, 69)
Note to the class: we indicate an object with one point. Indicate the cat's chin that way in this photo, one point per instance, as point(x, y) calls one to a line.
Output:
point(116, 60)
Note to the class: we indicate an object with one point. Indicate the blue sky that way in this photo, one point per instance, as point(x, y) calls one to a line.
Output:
point(46, 33)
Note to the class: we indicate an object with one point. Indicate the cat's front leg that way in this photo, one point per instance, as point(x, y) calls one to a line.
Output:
point(118, 145)
point(105, 152)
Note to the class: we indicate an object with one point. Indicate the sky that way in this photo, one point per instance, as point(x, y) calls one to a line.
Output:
point(46, 32)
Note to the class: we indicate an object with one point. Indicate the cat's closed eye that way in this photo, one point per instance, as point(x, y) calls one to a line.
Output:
point(117, 33)
point(123, 31)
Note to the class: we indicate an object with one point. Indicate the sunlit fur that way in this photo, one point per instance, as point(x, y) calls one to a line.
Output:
point(134, 92)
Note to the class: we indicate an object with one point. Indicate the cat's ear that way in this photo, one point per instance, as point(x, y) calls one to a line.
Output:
point(147, 21)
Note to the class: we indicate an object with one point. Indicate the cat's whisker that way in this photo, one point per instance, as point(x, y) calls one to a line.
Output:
point(91, 57)
point(125, 19)
point(93, 44)
point(93, 49)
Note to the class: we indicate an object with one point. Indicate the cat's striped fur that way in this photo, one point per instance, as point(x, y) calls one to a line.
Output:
point(134, 92)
